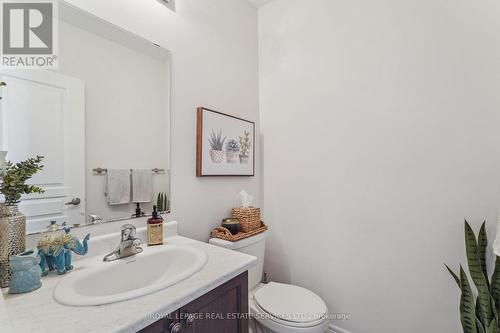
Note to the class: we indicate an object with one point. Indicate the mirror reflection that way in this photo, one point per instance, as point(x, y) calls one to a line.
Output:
point(101, 122)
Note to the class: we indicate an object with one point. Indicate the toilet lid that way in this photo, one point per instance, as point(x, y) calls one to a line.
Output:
point(290, 303)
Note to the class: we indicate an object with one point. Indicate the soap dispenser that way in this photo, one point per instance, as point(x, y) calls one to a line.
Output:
point(155, 229)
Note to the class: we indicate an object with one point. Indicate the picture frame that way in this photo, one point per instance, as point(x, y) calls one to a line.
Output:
point(225, 145)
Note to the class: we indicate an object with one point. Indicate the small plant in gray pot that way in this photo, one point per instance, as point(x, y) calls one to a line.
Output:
point(232, 151)
point(12, 222)
point(216, 146)
point(245, 146)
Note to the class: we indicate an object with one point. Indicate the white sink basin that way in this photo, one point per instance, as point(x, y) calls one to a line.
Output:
point(95, 282)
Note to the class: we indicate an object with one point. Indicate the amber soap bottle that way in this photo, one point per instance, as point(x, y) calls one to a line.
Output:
point(155, 229)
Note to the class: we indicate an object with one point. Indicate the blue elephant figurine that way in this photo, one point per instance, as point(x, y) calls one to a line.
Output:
point(76, 246)
point(52, 259)
point(55, 252)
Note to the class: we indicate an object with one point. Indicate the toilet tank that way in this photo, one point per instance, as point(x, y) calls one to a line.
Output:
point(254, 246)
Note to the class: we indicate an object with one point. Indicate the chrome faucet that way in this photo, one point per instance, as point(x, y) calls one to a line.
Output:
point(129, 245)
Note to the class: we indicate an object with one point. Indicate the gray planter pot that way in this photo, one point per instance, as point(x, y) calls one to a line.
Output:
point(232, 157)
point(12, 238)
point(244, 159)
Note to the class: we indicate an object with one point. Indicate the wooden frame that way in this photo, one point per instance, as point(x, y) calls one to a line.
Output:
point(213, 163)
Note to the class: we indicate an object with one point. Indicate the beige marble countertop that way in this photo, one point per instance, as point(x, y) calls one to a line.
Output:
point(39, 312)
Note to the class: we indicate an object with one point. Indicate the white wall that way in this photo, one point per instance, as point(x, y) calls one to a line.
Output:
point(381, 132)
point(214, 64)
point(127, 112)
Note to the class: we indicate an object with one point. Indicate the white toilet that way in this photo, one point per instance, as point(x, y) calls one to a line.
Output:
point(277, 307)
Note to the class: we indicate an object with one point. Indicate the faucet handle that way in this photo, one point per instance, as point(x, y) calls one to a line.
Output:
point(94, 219)
point(128, 232)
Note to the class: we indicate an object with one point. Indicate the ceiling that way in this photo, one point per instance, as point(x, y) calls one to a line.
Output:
point(258, 3)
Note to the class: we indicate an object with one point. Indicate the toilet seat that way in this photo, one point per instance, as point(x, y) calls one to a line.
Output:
point(289, 305)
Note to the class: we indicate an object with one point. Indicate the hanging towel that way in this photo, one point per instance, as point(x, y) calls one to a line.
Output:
point(142, 186)
point(118, 186)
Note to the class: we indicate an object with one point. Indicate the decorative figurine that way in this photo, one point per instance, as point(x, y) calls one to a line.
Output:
point(55, 250)
point(26, 272)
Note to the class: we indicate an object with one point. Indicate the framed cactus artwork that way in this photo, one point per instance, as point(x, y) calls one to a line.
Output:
point(225, 145)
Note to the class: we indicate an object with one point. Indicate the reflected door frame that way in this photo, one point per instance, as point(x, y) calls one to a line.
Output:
point(64, 177)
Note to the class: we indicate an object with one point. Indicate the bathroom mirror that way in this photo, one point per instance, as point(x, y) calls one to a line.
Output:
point(101, 121)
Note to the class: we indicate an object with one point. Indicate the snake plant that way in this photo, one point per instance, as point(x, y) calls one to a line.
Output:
point(163, 202)
point(479, 312)
point(159, 202)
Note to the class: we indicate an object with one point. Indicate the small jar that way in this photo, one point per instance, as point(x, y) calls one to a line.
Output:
point(231, 224)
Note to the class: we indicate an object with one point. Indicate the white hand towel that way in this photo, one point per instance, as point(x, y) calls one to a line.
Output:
point(118, 186)
point(142, 186)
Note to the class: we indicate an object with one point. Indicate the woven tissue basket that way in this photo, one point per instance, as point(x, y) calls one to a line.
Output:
point(223, 233)
point(249, 218)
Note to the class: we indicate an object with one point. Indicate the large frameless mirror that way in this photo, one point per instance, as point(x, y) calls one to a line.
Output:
point(101, 121)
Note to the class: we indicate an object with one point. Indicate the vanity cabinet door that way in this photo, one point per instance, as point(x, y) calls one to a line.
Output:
point(222, 310)
point(163, 325)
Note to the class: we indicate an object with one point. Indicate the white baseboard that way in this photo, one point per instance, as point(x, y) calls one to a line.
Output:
point(335, 329)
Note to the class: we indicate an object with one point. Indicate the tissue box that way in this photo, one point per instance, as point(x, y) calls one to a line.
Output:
point(249, 218)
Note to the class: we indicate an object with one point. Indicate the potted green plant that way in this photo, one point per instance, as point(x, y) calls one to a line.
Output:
point(245, 146)
point(232, 151)
point(163, 203)
point(12, 222)
point(479, 309)
point(216, 144)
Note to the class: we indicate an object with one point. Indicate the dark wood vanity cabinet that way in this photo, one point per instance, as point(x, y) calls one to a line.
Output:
point(222, 310)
